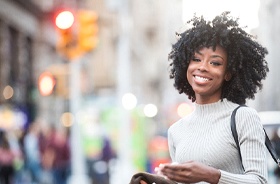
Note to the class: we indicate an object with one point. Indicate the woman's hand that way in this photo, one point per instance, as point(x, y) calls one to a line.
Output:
point(189, 172)
point(142, 182)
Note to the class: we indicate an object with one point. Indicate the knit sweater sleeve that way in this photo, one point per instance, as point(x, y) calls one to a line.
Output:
point(253, 151)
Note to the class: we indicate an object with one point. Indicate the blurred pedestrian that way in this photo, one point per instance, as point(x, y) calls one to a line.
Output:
point(47, 153)
point(32, 152)
point(107, 155)
point(7, 158)
point(61, 161)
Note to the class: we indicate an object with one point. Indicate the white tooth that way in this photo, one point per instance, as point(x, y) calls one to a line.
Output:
point(201, 78)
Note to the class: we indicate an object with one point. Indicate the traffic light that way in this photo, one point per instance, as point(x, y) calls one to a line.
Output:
point(64, 22)
point(46, 83)
point(87, 30)
point(77, 32)
point(60, 75)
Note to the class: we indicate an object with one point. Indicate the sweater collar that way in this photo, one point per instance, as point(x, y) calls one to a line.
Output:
point(215, 107)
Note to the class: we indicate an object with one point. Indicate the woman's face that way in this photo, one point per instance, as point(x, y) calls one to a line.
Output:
point(206, 74)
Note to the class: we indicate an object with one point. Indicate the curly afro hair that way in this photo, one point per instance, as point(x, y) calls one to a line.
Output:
point(246, 57)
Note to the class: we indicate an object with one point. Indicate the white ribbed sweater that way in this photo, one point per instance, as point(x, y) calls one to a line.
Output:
point(205, 136)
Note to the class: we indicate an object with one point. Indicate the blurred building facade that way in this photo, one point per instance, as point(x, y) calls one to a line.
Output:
point(28, 49)
point(17, 40)
point(268, 34)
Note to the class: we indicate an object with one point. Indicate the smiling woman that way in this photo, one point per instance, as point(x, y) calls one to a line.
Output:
point(218, 66)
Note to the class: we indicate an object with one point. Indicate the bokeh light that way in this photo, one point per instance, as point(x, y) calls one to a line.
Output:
point(129, 101)
point(150, 110)
point(8, 92)
point(184, 109)
point(67, 119)
point(64, 20)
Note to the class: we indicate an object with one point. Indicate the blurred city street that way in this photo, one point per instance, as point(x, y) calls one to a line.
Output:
point(85, 94)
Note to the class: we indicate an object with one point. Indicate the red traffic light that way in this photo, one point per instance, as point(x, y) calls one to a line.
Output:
point(46, 83)
point(64, 20)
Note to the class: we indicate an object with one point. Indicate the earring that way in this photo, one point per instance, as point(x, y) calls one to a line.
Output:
point(227, 78)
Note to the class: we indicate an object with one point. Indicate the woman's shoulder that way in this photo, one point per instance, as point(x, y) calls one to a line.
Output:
point(248, 117)
point(246, 111)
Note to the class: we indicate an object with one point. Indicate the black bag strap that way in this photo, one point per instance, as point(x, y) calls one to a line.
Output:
point(267, 140)
point(234, 132)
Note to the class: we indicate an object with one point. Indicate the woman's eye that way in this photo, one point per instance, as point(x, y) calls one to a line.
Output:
point(196, 59)
point(215, 63)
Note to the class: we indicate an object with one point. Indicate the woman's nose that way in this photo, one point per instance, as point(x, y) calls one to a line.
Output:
point(203, 66)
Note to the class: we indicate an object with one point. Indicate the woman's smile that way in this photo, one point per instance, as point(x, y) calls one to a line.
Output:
point(201, 79)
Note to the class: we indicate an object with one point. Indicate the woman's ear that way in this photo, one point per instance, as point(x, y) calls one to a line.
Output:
point(228, 76)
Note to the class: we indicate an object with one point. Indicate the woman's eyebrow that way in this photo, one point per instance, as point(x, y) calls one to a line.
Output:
point(212, 56)
point(217, 56)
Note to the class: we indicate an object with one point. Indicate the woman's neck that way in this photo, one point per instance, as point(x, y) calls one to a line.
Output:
point(206, 100)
